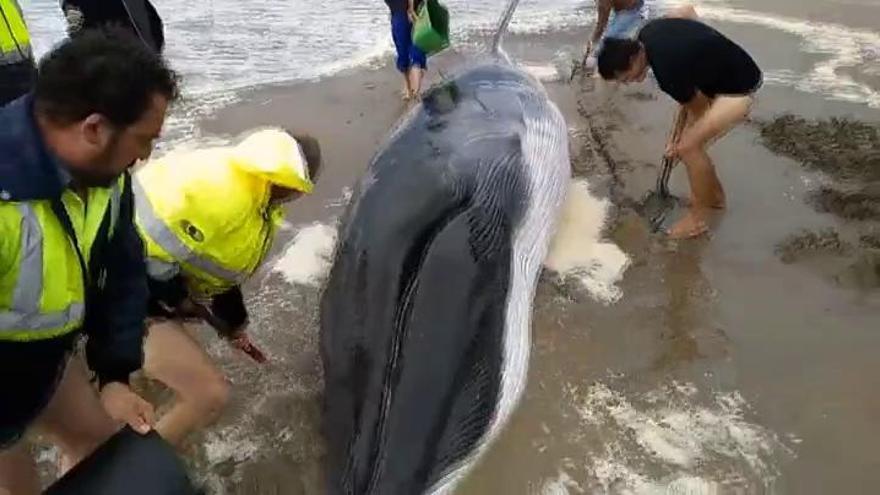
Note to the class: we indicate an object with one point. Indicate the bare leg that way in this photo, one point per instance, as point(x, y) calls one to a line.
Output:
point(407, 86)
point(75, 420)
point(18, 475)
point(175, 359)
point(683, 12)
point(723, 113)
point(706, 189)
point(415, 76)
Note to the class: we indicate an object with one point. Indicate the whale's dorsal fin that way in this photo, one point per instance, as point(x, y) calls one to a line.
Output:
point(503, 24)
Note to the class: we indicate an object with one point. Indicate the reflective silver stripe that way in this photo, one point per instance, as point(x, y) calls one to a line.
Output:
point(161, 270)
point(163, 236)
point(29, 286)
point(115, 203)
point(25, 313)
point(15, 321)
point(12, 57)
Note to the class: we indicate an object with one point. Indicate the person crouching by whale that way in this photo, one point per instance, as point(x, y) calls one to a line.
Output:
point(711, 77)
point(208, 218)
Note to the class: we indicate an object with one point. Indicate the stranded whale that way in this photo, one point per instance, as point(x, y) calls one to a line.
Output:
point(426, 316)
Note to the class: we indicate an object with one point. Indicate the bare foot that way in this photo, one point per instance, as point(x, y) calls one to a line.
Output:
point(64, 463)
point(718, 204)
point(692, 225)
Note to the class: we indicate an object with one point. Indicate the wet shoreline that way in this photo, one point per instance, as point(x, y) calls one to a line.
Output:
point(739, 363)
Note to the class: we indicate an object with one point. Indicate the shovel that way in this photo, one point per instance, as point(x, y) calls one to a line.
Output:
point(583, 65)
point(657, 204)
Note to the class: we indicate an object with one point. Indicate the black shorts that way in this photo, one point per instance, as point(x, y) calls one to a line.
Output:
point(16, 80)
point(29, 375)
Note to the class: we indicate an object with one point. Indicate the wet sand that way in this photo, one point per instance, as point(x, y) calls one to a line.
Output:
point(741, 363)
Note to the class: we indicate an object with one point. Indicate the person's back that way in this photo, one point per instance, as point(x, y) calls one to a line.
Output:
point(208, 218)
point(17, 69)
point(687, 55)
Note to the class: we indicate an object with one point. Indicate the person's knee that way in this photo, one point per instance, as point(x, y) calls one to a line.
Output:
point(402, 64)
point(418, 58)
point(689, 149)
point(212, 396)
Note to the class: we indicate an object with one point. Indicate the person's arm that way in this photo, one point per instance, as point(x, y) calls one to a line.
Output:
point(115, 327)
point(170, 292)
point(115, 344)
point(230, 311)
point(228, 315)
point(678, 125)
point(603, 13)
point(411, 10)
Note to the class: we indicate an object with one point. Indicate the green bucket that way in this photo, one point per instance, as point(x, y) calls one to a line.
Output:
point(431, 31)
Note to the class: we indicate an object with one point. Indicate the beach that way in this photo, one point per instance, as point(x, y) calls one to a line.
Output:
point(741, 362)
point(725, 367)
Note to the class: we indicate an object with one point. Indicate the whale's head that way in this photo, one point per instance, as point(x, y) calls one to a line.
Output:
point(425, 320)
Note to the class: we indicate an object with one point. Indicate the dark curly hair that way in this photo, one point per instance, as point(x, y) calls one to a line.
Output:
point(108, 72)
point(616, 56)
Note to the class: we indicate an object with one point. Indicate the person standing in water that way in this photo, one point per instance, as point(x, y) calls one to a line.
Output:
point(624, 18)
point(411, 61)
point(713, 79)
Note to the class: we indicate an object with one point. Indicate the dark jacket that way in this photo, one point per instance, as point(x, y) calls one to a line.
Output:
point(228, 311)
point(116, 308)
point(139, 16)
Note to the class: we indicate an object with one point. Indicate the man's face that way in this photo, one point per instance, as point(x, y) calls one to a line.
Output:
point(108, 150)
point(637, 71)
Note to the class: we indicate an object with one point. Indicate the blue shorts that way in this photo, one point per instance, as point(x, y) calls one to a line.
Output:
point(626, 24)
point(408, 54)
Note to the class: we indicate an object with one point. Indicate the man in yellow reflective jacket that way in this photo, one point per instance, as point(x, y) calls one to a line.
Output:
point(71, 261)
point(208, 218)
point(17, 69)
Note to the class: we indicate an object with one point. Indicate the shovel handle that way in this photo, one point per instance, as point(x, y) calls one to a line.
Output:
point(668, 163)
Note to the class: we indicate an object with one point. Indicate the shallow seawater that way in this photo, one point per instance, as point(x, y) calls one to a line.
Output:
point(711, 367)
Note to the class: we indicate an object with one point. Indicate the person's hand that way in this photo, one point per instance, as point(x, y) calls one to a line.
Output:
point(411, 13)
point(125, 406)
point(671, 150)
point(242, 342)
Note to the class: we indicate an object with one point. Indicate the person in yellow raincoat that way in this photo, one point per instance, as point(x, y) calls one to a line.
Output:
point(208, 217)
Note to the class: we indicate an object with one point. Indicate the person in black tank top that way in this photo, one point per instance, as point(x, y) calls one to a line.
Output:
point(714, 81)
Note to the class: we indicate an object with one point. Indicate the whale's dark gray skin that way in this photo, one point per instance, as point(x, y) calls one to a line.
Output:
point(425, 319)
